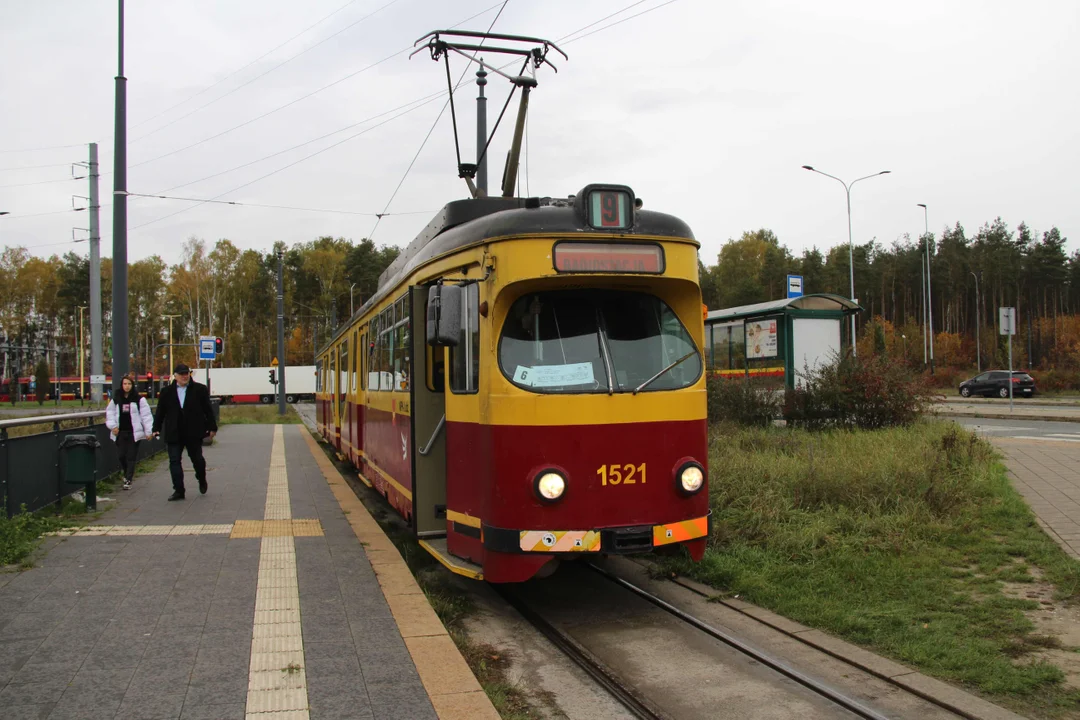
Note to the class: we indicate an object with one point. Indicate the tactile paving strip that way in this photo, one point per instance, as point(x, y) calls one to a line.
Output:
point(277, 680)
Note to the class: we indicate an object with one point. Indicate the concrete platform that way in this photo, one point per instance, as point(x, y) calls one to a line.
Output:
point(274, 596)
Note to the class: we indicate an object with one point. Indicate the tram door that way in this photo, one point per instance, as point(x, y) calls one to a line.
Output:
point(428, 423)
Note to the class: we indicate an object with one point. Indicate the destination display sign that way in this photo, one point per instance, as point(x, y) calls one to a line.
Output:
point(585, 257)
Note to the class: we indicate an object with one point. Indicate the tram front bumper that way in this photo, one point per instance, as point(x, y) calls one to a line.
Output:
point(613, 540)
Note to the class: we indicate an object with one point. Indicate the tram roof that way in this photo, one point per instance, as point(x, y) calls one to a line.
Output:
point(813, 301)
point(462, 223)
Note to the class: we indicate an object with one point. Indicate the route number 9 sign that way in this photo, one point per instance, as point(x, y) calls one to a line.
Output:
point(609, 209)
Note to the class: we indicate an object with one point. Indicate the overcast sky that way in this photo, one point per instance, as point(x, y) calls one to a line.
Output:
point(707, 109)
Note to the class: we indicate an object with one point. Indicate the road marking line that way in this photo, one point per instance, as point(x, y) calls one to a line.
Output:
point(1047, 438)
point(277, 680)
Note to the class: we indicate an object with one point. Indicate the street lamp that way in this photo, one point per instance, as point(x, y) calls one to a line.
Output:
point(168, 370)
point(851, 250)
point(82, 338)
point(929, 297)
point(978, 345)
point(351, 310)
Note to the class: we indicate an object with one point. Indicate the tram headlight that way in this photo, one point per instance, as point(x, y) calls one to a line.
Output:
point(550, 486)
point(690, 478)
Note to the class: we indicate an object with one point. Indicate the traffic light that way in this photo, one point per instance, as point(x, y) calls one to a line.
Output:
point(273, 380)
point(219, 346)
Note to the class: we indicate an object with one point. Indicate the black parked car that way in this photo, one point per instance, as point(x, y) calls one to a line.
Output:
point(996, 382)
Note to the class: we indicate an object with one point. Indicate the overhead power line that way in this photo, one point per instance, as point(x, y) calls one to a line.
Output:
point(44, 182)
point(286, 167)
point(264, 74)
point(33, 167)
point(450, 95)
point(296, 100)
point(273, 207)
point(234, 73)
point(40, 149)
point(416, 104)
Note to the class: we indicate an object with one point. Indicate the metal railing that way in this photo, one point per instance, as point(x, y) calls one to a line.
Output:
point(30, 468)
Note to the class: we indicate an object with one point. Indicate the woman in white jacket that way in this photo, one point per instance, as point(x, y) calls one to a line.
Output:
point(130, 422)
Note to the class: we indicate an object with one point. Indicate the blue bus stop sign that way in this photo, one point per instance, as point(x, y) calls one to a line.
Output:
point(206, 348)
point(794, 286)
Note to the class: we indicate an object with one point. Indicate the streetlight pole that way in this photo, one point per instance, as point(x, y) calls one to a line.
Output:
point(168, 370)
point(978, 345)
point(82, 338)
point(929, 295)
point(351, 310)
point(119, 228)
point(851, 244)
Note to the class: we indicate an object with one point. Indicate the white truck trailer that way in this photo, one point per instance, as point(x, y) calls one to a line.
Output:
point(252, 384)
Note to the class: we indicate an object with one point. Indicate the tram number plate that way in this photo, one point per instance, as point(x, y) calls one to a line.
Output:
point(621, 474)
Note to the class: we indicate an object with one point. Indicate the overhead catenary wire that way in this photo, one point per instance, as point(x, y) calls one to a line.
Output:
point(449, 100)
point(272, 111)
point(416, 105)
point(41, 149)
point(33, 167)
point(234, 73)
point(264, 74)
point(286, 167)
point(44, 182)
point(239, 203)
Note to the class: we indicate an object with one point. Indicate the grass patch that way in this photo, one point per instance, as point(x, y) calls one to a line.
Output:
point(20, 535)
point(897, 540)
point(257, 415)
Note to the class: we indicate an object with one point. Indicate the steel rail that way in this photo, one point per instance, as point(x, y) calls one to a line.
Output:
point(760, 656)
point(636, 705)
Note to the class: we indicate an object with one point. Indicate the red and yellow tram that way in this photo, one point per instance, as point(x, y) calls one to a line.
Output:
point(528, 385)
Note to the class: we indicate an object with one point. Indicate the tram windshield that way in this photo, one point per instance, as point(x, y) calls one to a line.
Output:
point(596, 341)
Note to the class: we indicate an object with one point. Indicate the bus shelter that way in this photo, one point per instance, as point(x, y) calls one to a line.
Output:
point(779, 339)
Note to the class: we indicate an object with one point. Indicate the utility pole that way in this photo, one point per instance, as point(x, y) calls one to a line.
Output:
point(96, 364)
point(281, 329)
point(978, 344)
point(168, 370)
point(119, 257)
point(929, 296)
point(481, 134)
point(82, 340)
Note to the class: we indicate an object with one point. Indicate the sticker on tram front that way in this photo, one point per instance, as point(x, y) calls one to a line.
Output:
point(555, 375)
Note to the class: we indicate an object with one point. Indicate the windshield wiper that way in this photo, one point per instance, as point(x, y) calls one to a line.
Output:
point(601, 334)
point(641, 387)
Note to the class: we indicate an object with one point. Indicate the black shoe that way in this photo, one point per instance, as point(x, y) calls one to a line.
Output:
point(176, 496)
point(202, 486)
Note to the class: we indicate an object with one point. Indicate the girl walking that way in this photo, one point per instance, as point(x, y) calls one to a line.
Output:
point(130, 422)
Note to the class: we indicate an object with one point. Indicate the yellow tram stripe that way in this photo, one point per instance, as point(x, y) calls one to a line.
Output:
point(396, 485)
point(458, 517)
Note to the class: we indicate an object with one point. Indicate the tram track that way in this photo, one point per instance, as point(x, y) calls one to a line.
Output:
point(793, 692)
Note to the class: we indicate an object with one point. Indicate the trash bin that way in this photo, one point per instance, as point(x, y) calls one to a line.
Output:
point(79, 463)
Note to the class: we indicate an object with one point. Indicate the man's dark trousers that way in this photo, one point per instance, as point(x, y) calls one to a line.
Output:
point(194, 451)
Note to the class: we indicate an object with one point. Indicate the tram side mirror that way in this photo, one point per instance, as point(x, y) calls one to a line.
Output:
point(444, 315)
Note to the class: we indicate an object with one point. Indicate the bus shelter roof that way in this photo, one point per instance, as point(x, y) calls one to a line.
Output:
point(814, 301)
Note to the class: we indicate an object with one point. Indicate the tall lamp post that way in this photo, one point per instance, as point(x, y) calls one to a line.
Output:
point(351, 310)
point(978, 345)
point(851, 245)
point(168, 370)
point(82, 338)
point(929, 296)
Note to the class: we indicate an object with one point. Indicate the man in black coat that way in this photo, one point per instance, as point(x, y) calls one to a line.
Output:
point(184, 411)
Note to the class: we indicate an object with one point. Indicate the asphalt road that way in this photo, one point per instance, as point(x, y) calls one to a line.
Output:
point(1063, 432)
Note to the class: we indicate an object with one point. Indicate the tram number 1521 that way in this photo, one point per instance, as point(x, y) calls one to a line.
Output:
point(621, 474)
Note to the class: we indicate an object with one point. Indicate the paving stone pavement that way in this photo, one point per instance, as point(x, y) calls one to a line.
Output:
point(144, 626)
point(1048, 476)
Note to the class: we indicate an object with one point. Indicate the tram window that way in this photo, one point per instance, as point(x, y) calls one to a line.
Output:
point(343, 372)
point(568, 341)
point(318, 375)
point(402, 370)
point(353, 384)
point(331, 379)
point(373, 354)
point(465, 358)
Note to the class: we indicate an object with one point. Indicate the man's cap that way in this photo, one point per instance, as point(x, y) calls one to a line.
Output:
point(181, 369)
